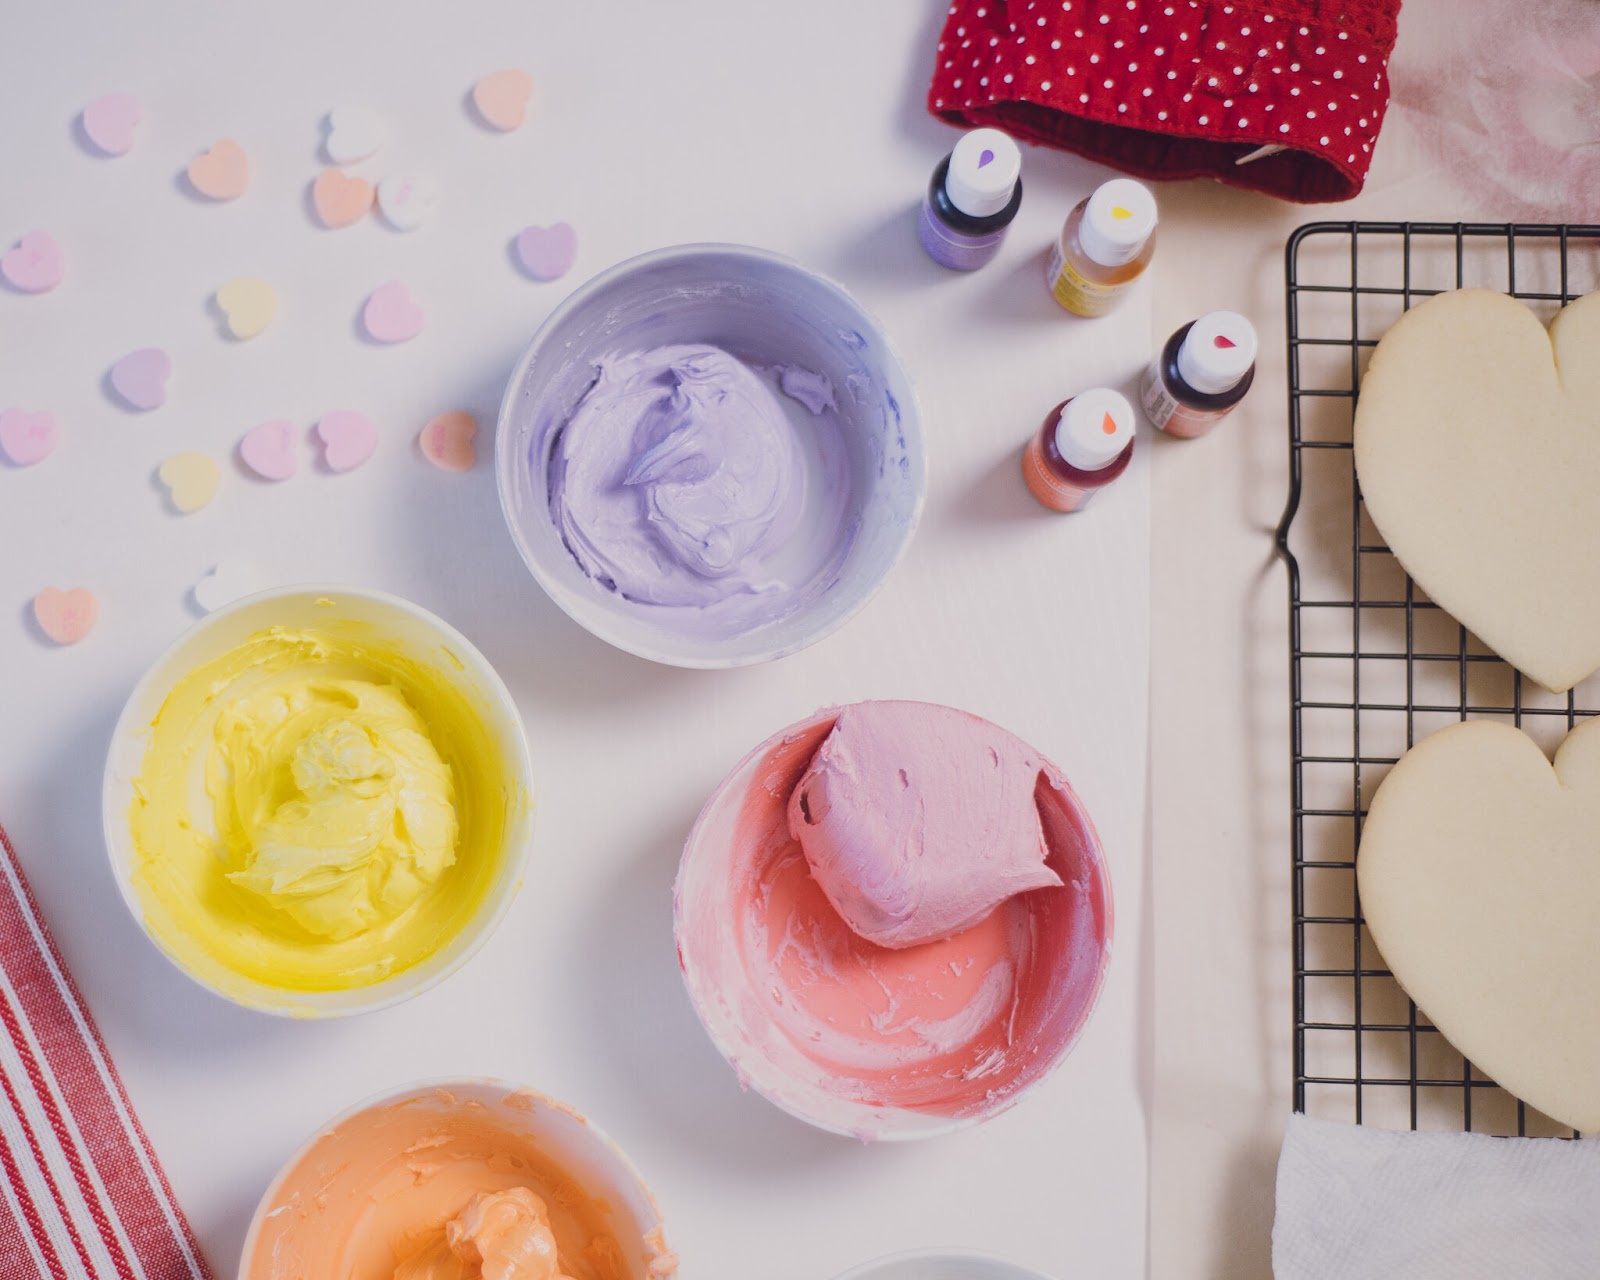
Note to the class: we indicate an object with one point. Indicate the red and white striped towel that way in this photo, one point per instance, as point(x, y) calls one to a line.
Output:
point(82, 1196)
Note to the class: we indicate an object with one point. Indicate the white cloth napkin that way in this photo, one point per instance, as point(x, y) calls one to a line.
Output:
point(1356, 1203)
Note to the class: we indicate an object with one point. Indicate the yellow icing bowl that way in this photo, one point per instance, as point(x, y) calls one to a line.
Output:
point(272, 885)
point(351, 1203)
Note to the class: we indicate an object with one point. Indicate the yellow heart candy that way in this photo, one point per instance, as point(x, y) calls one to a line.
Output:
point(193, 479)
point(248, 306)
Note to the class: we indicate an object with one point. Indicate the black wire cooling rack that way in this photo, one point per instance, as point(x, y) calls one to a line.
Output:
point(1375, 665)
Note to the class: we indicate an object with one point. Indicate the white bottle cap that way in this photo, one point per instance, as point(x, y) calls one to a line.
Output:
point(983, 173)
point(1217, 352)
point(1094, 428)
point(1121, 216)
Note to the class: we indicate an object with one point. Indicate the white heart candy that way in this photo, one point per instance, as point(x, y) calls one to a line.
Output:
point(354, 133)
point(1479, 873)
point(1477, 445)
point(406, 200)
point(230, 580)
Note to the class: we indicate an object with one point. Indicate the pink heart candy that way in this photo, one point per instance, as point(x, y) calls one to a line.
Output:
point(140, 377)
point(547, 253)
point(348, 439)
point(35, 265)
point(27, 438)
point(65, 616)
point(109, 122)
point(268, 450)
point(390, 315)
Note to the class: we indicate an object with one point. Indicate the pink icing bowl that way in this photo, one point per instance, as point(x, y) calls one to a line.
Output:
point(863, 1040)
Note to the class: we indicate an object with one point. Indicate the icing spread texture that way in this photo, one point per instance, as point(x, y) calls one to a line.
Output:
point(918, 821)
point(852, 1034)
point(445, 1185)
point(355, 812)
point(680, 480)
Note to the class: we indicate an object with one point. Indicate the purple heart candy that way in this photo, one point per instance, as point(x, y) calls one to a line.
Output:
point(985, 158)
point(140, 378)
point(547, 253)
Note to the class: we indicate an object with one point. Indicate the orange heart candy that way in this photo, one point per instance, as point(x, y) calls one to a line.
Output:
point(447, 441)
point(221, 173)
point(340, 200)
point(65, 616)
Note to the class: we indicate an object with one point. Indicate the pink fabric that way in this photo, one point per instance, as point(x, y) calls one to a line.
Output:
point(1179, 88)
point(82, 1196)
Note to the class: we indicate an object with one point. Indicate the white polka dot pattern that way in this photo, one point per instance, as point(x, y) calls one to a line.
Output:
point(1149, 85)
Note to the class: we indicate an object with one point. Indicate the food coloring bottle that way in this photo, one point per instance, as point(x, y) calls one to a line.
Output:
point(1085, 444)
point(1202, 372)
point(1105, 245)
point(975, 193)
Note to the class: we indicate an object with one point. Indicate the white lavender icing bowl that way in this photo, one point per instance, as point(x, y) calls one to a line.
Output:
point(858, 469)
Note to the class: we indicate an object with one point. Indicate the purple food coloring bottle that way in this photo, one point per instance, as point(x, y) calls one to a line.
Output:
point(975, 193)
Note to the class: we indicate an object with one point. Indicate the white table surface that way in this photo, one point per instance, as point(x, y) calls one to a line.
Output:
point(651, 124)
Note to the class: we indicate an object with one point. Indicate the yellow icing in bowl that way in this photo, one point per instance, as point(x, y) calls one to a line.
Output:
point(318, 810)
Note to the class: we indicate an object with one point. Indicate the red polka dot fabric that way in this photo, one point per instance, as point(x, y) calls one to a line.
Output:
point(1180, 88)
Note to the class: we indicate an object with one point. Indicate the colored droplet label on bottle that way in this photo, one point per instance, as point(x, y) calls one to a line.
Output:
point(1075, 291)
point(1223, 343)
point(1046, 486)
point(986, 158)
point(1121, 214)
point(1108, 424)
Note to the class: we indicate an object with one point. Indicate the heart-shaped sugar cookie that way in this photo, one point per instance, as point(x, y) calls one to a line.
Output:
point(248, 305)
point(1479, 872)
point(1477, 446)
point(191, 479)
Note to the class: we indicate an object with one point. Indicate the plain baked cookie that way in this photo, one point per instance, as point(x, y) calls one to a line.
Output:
point(1479, 872)
point(1477, 445)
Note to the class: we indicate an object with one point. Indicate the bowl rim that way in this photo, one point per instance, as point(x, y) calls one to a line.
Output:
point(425, 1085)
point(866, 1270)
point(305, 1005)
point(938, 1126)
point(599, 622)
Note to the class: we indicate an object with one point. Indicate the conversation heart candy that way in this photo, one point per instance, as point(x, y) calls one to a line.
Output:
point(65, 616)
point(547, 253)
point(221, 173)
point(501, 98)
point(109, 122)
point(354, 133)
point(248, 305)
point(228, 581)
point(406, 200)
point(192, 479)
point(339, 199)
point(268, 449)
point(348, 439)
point(140, 378)
point(35, 264)
point(447, 441)
point(390, 314)
point(27, 438)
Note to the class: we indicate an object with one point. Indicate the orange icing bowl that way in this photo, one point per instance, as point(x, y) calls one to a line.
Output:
point(458, 1178)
